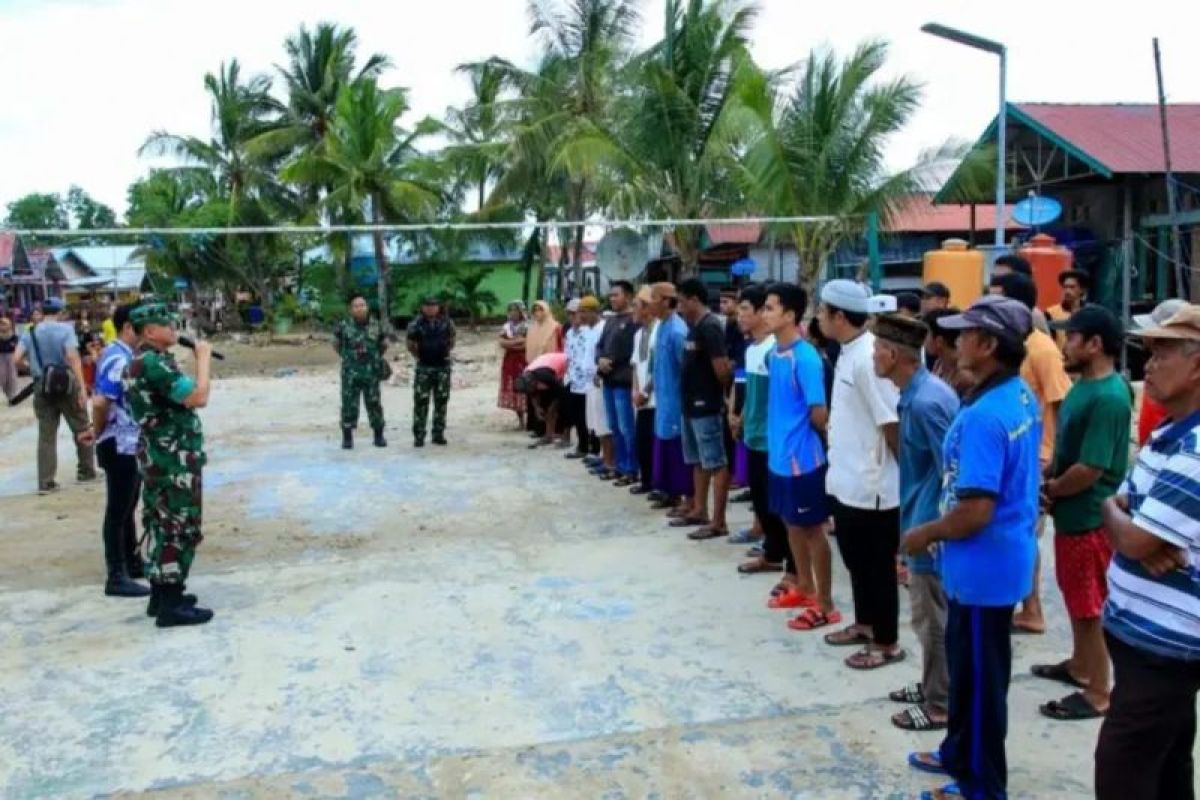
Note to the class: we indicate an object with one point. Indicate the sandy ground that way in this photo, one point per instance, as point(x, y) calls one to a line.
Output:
point(476, 621)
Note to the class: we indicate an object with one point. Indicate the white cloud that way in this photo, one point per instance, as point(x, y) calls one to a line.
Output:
point(87, 81)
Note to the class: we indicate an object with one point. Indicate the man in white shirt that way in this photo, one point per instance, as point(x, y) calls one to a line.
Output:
point(863, 477)
point(643, 390)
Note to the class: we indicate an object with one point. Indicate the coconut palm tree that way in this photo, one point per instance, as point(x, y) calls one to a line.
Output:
point(242, 110)
point(477, 130)
point(819, 149)
point(670, 152)
point(371, 166)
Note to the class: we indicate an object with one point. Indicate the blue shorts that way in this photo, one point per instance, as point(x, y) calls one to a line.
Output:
point(704, 442)
point(799, 500)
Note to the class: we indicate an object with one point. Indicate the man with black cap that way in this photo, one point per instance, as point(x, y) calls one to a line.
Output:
point(431, 338)
point(926, 409)
point(51, 351)
point(935, 295)
point(1091, 454)
point(986, 543)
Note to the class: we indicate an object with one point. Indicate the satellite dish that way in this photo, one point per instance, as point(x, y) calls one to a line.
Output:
point(622, 254)
point(1035, 211)
point(743, 267)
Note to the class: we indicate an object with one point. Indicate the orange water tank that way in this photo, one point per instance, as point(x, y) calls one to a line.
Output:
point(1047, 260)
point(960, 268)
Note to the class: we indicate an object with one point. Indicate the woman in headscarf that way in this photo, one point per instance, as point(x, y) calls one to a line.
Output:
point(545, 335)
point(512, 342)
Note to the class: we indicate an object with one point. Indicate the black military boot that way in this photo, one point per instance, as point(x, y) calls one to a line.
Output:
point(119, 584)
point(379, 440)
point(173, 612)
point(156, 599)
point(440, 440)
point(347, 439)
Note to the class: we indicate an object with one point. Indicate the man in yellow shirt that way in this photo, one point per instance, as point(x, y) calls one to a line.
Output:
point(108, 330)
point(1045, 374)
point(1075, 284)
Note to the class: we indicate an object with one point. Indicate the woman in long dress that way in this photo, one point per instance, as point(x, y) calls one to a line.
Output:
point(512, 342)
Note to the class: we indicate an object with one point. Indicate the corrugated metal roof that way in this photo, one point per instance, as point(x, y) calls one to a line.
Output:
point(115, 266)
point(1125, 137)
point(918, 214)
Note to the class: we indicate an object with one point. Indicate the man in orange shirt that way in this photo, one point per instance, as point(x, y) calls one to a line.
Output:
point(1043, 370)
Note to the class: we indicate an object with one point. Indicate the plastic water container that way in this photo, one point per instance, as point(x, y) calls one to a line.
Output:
point(959, 267)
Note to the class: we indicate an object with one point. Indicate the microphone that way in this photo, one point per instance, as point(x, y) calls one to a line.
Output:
point(185, 341)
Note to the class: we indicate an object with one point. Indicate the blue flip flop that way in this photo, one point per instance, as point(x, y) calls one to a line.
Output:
point(922, 766)
point(949, 790)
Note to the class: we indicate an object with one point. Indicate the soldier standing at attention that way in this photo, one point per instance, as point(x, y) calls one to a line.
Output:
point(431, 338)
point(163, 402)
point(361, 346)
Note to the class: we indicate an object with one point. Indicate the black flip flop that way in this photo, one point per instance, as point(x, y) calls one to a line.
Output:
point(1056, 672)
point(1072, 707)
point(687, 522)
point(707, 532)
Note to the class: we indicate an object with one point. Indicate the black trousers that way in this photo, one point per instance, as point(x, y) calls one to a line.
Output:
point(123, 483)
point(1145, 746)
point(868, 541)
point(775, 536)
point(574, 411)
point(644, 444)
point(979, 657)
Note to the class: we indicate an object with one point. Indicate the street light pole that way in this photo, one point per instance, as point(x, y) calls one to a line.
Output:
point(997, 49)
point(1001, 146)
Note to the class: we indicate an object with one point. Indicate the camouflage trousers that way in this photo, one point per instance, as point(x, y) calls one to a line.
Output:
point(171, 506)
point(430, 382)
point(368, 387)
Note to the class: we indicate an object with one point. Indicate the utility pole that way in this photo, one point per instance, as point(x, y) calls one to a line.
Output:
point(1172, 207)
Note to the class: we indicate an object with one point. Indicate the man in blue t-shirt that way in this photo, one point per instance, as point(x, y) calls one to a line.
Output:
point(796, 412)
point(985, 534)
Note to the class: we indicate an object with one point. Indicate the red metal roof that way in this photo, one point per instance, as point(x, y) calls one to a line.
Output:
point(740, 233)
point(918, 214)
point(1125, 137)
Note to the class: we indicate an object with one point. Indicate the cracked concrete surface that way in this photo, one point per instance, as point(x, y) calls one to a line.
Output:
point(479, 621)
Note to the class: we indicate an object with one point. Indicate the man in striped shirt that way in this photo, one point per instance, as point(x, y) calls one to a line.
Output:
point(1152, 616)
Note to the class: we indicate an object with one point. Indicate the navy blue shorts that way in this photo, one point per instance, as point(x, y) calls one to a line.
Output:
point(799, 500)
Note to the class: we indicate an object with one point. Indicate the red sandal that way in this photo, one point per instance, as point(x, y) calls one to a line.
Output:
point(792, 598)
point(812, 618)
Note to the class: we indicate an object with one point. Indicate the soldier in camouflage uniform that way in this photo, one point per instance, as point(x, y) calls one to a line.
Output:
point(163, 402)
point(431, 338)
point(361, 346)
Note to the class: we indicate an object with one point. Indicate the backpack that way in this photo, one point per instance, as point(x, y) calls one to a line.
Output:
point(56, 378)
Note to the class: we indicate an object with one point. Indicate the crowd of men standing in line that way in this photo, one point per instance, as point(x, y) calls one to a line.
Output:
point(948, 437)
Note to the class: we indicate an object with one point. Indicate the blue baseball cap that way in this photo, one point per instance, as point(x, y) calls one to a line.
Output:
point(53, 305)
point(998, 315)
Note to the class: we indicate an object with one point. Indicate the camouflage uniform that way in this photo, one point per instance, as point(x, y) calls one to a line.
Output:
point(361, 347)
point(171, 457)
point(431, 340)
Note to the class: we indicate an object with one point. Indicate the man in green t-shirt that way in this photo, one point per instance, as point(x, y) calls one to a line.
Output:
point(1091, 453)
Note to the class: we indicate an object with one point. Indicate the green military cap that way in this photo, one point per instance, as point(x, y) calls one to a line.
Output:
point(152, 313)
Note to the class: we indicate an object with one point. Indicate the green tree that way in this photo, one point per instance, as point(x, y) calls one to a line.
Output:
point(820, 148)
point(37, 211)
point(476, 131)
point(247, 187)
point(372, 167)
point(466, 293)
point(585, 46)
point(87, 213)
point(673, 151)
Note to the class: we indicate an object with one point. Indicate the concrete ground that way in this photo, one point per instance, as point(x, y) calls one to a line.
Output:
point(477, 621)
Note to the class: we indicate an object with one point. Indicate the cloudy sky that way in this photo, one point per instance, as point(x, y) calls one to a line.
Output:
point(84, 81)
